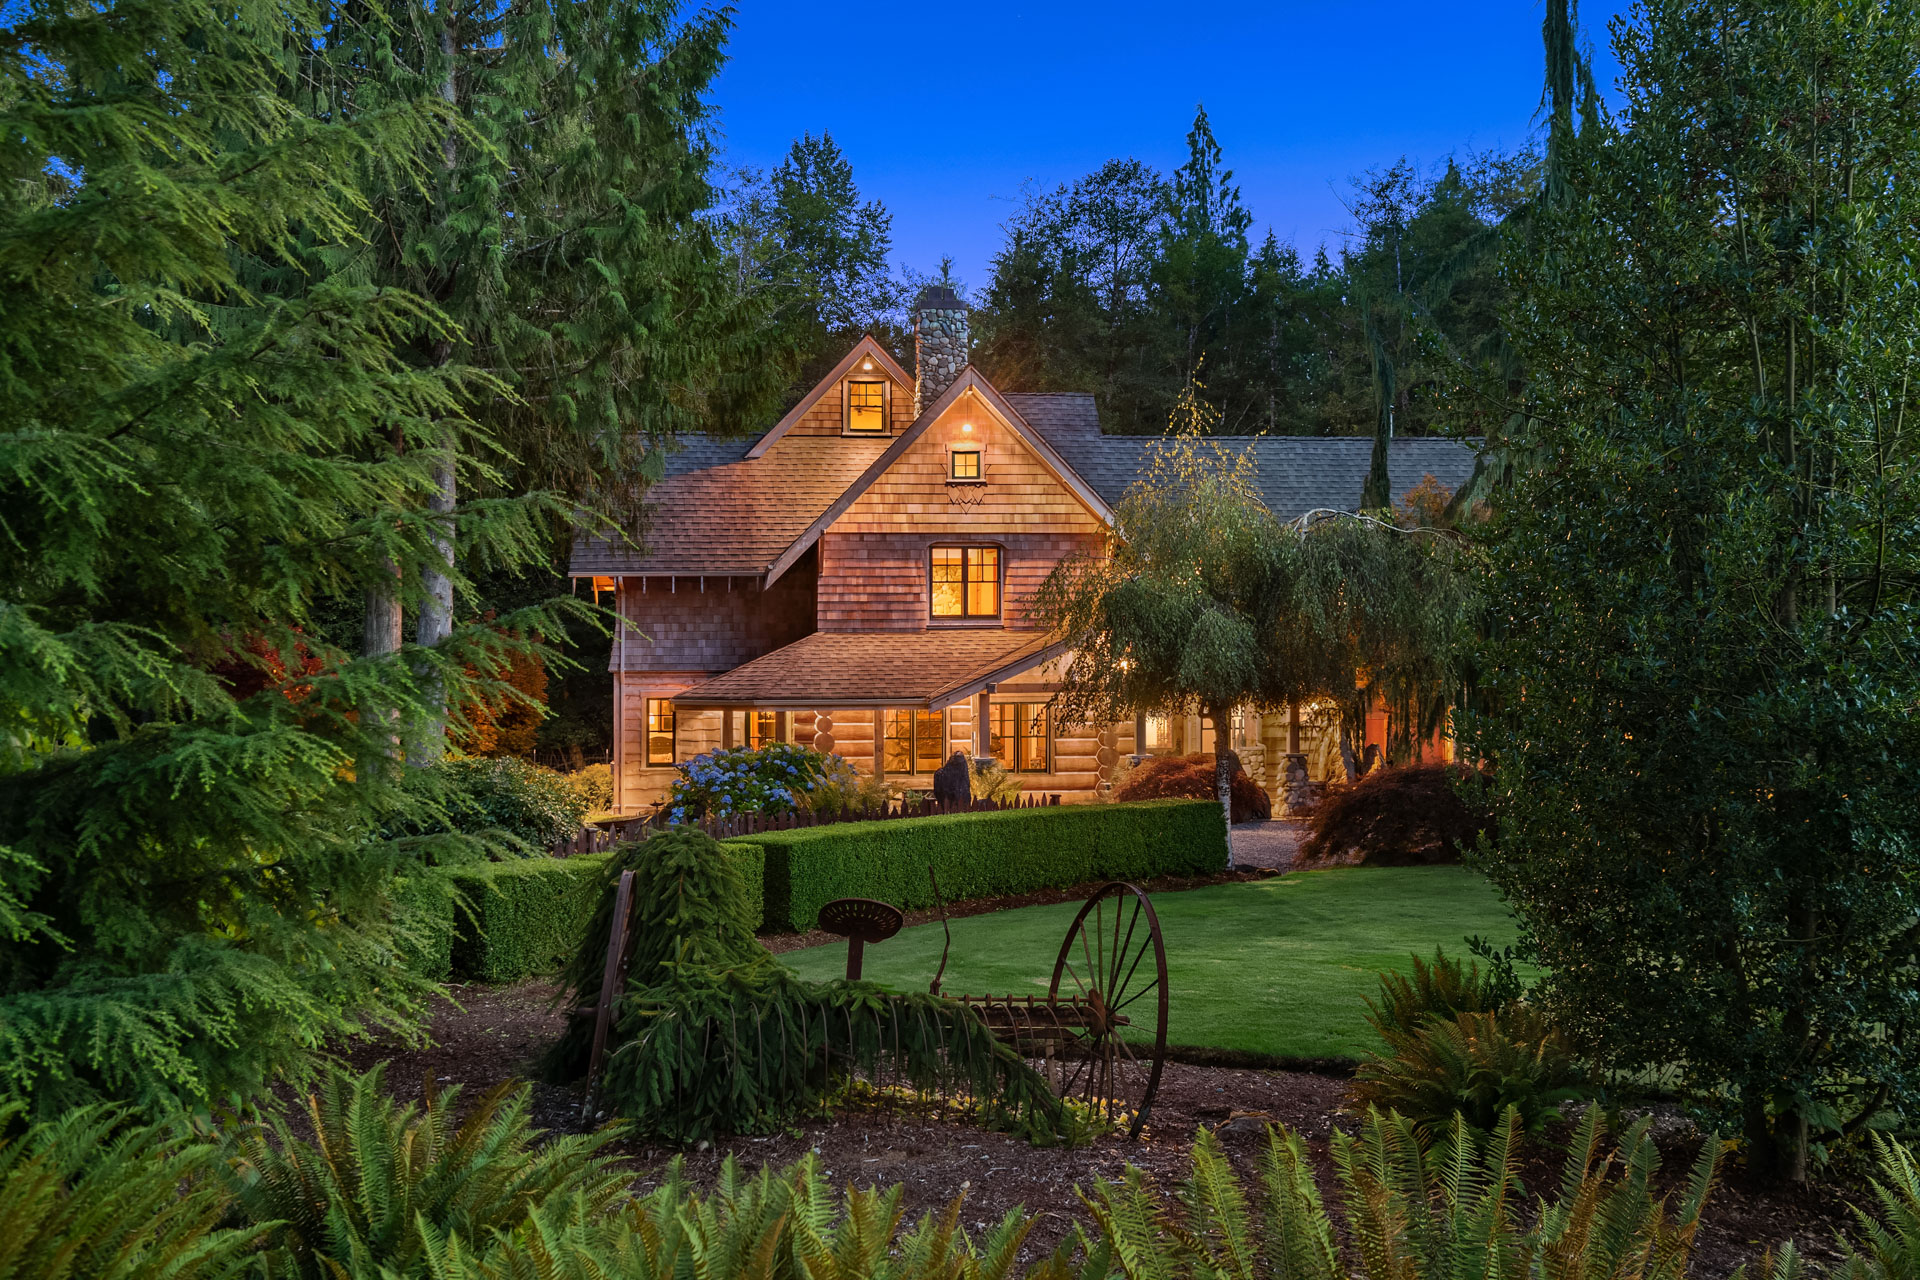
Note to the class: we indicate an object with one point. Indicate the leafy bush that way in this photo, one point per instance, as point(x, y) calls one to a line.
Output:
point(1410, 816)
point(386, 1187)
point(979, 855)
point(1192, 778)
point(517, 919)
point(714, 1035)
point(593, 785)
point(89, 1197)
point(734, 780)
point(1442, 989)
point(991, 780)
point(538, 808)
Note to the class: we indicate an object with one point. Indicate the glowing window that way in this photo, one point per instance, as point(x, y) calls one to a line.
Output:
point(762, 727)
point(1018, 736)
point(966, 582)
point(966, 464)
point(659, 731)
point(916, 742)
point(1159, 734)
point(866, 407)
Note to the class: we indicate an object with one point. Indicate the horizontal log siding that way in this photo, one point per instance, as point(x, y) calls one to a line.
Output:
point(681, 625)
point(828, 415)
point(873, 559)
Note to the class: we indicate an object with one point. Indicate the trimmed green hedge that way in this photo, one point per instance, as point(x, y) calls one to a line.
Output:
point(982, 855)
point(524, 918)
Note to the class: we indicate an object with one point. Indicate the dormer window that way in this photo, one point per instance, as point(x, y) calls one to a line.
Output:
point(964, 465)
point(866, 407)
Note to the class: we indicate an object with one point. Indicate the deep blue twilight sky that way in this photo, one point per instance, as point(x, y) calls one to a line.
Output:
point(946, 110)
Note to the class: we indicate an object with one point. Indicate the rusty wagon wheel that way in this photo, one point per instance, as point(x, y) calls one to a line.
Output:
point(1114, 965)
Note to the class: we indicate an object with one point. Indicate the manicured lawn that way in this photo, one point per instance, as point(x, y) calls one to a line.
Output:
point(1279, 966)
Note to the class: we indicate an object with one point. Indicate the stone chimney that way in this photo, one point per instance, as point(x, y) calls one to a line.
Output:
point(939, 343)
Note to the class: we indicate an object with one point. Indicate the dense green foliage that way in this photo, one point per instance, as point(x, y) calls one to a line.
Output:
point(1477, 1066)
point(517, 919)
point(1701, 684)
point(198, 456)
point(380, 1189)
point(525, 809)
point(91, 1197)
point(713, 1035)
point(982, 855)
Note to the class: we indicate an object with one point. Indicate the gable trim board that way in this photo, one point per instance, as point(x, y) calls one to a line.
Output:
point(970, 380)
point(866, 347)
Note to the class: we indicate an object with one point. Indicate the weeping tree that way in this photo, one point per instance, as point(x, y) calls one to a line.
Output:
point(1204, 601)
point(195, 892)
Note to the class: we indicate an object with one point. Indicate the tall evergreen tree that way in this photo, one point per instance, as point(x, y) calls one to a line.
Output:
point(1703, 677)
point(1201, 274)
point(195, 893)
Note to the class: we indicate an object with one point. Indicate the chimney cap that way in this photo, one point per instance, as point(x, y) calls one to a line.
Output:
point(939, 297)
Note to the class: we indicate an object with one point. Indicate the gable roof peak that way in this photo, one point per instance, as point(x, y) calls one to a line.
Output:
point(867, 350)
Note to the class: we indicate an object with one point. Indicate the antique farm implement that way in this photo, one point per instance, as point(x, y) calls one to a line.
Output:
point(1099, 1034)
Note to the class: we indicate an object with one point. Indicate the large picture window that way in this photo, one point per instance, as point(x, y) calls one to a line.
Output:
point(1019, 737)
point(966, 582)
point(866, 407)
point(916, 741)
point(659, 731)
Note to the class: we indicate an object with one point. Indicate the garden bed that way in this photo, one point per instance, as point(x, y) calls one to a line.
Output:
point(493, 1034)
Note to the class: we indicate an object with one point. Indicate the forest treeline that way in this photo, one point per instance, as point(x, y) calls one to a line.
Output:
point(1131, 284)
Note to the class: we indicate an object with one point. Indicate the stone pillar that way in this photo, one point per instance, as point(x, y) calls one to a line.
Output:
point(1298, 795)
point(940, 344)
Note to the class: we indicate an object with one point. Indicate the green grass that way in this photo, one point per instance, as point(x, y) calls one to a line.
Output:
point(1279, 967)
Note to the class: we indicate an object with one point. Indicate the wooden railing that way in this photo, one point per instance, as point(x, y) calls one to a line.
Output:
point(605, 835)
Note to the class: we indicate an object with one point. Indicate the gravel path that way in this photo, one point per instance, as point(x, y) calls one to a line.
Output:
point(1270, 843)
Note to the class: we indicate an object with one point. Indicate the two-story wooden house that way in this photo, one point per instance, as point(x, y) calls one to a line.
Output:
point(858, 578)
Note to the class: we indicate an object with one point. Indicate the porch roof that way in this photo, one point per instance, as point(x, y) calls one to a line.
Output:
point(829, 669)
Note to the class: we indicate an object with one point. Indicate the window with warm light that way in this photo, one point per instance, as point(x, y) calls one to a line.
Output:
point(966, 582)
point(659, 731)
point(964, 465)
point(763, 727)
point(916, 741)
point(1159, 734)
point(1018, 736)
point(866, 407)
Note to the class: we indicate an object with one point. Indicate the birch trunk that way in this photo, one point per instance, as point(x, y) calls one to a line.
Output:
point(1223, 774)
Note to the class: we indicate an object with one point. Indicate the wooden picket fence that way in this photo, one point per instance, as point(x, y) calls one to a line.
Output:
point(604, 836)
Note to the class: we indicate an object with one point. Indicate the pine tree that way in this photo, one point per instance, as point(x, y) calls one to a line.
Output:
point(197, 450)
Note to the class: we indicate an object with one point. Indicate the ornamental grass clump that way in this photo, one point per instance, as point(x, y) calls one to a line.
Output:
point(734, 780)
point(713, 1035)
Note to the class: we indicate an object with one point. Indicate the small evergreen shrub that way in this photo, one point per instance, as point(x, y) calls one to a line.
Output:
point(518, 808)
point(388, 1190)
point(981, 855)
point(736, 780)
point(842, 790)
point(1192, 778)
point(713, 1035)
point(1409, 816)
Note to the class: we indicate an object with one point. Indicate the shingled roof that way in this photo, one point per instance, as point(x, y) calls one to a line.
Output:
point(1296, 474)
point(880, 668)
point(719, 512)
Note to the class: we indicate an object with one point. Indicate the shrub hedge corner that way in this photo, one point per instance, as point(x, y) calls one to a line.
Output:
point(982, 855)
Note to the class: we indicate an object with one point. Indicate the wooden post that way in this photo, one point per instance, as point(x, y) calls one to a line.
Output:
point(983, 725)
point(1140, 735)
point(879, 742)
point(1293, 727)
point(726, 727)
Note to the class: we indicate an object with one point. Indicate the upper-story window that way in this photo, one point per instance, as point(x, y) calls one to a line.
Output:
point(964, 464)
point(866, 406)
point(966, 582)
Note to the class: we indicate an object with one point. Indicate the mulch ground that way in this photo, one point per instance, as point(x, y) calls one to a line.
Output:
point(494, 1034)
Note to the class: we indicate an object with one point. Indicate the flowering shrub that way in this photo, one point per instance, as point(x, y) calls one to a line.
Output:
point(738, 780)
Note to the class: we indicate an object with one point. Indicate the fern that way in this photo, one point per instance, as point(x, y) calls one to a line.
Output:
point(89, 1197)
point(383, 1185)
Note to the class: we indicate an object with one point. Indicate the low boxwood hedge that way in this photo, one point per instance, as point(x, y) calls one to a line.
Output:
point(520, 919)
point(981, 855)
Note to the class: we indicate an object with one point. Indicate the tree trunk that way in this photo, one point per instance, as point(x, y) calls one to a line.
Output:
point(1223, 773)
point(436, 614)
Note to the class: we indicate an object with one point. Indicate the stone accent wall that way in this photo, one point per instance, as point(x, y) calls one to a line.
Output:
point(940, 343)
